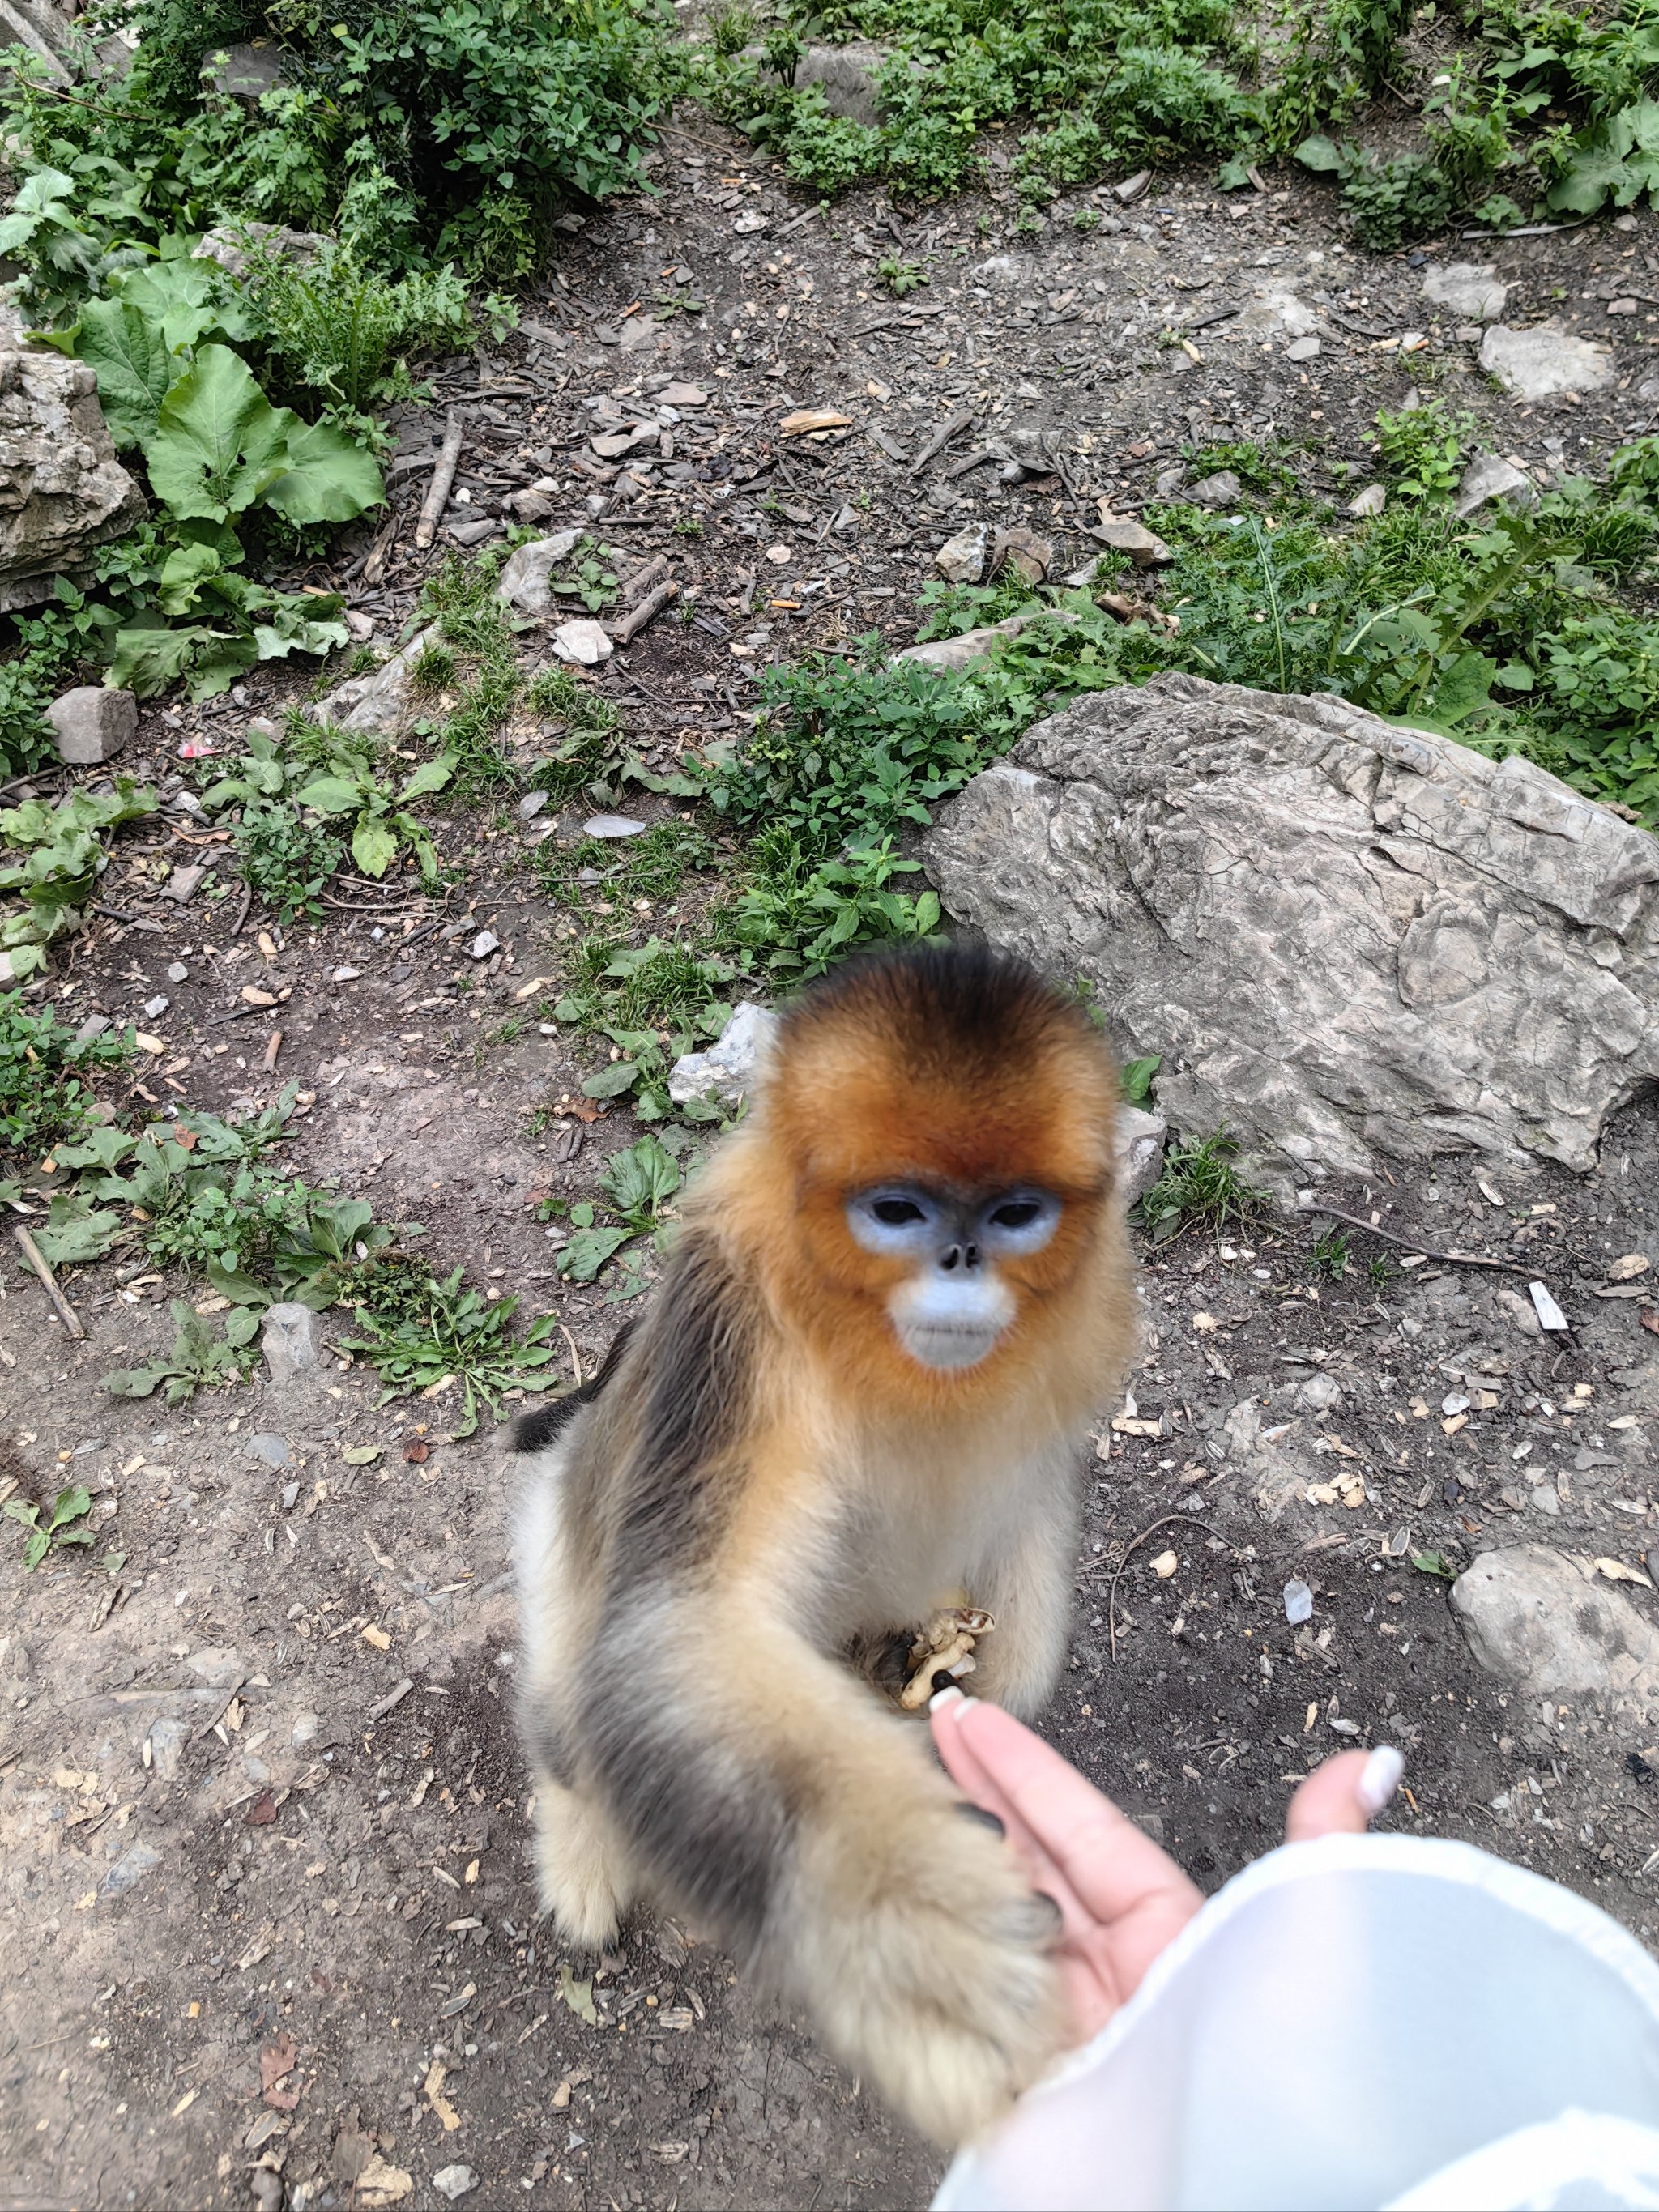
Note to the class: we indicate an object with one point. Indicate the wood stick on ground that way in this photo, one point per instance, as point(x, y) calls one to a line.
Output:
point(623, 632)
point(645, 577)
point(273, 1046)
point(443, 476)
point(66, 1312)
point(1411, 1244)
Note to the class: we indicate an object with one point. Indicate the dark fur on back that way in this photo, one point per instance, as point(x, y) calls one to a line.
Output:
point(535, 1432)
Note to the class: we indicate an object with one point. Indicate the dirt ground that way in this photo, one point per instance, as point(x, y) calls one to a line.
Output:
point(268, 1932)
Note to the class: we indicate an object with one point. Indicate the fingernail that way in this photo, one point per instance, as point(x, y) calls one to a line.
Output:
point(984, 1815)
point(1379, 1778)
point(943, 1697)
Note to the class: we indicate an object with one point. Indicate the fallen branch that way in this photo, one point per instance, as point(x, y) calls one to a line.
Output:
point(1411, 1244)
point(443, 476)
point(623, 632)
point(66, 1312)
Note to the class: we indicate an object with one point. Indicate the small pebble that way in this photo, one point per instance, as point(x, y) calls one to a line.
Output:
point(178, 973)
point(1298, 1603)
point(483, 945)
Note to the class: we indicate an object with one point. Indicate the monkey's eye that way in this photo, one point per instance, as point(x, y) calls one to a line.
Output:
point(896, 1219)
point(1018, 1213)
point(896, 1213)
point(1020, 1221)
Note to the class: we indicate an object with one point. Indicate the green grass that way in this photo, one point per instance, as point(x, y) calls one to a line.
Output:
point(1201, 1187)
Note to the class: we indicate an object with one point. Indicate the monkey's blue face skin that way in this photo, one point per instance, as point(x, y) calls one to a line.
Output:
point(954, 1307)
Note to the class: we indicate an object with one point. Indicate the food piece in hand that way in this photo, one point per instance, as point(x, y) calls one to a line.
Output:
point(945, 1646)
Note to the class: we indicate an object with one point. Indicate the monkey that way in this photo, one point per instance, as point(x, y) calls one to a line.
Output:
point(899, 1293)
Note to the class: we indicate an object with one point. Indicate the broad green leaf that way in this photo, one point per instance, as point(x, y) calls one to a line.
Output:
point(178, 296)
point(183, 574)
point(325, 479)
point(1464, 689)
point(241, 1327)
point(137, 1381)
point(146, 660)
point(218, 445)
point(431, 775)
point(102, 1147)
point(332, 795)
point(610, 1082)
point(72, 1234)
point(582, 1259)
point(1138, 1078)
point(69, 1505)
point(1320, 153)
point(373, 847)
point(134, 364)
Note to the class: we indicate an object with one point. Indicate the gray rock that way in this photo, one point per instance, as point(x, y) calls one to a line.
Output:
point(167, 1739)
point(613, 825)
point(731, 1066)
point(271, 1450)
point(62, 490)
point(524, 573)
point(532, 804)
point(585, 641)
point(1274, 311)
point(1268, 1450)
point(1306, 349)
point(94, 1026)
point(291, 1339)
point(1144, 547)
point(92, 723)
point(244, 72)
point(156, 1007)
point(182, 885)
point(232, 245)
point(1140, 1141)
point(1547, 1501)
point(1349, 942)
point(1490, 479)
point(42, 31)
point(963, 558)
point(474, 531)
point(1549, 1624)
point(1371, 501)
point(847, 73)
point(1520, 1312)
point(1469, 289)
point(134, 1863)
point(1222, 490)
point(453, 2181)
point(1298, 1603)
point(218, 1665)
point(304, 1730)
point(1321, 1393)
point(1538, 363)
point(383, 702)
point(177, 972)
point(483, 945)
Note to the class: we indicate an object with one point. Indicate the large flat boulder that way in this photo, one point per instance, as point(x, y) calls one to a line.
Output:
point(1349, 942)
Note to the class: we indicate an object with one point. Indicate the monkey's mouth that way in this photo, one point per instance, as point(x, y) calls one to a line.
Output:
point(943, 1345)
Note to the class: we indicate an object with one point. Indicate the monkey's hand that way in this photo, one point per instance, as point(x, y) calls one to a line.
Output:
point(927, 1957)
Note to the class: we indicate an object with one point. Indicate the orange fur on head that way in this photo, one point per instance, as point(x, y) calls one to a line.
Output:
point(952, 1066)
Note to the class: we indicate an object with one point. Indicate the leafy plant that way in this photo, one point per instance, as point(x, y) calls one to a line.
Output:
point(1138, 1078)
point(901, 278)
point(1201, 1185)
point(446, 1334)
point(45, 1537)
point(43, 1095)
point(382, 822)
point(1422, 449)
point(63, 854)
point(637, 1185)
point(1331, 1255)
point(199, 1358)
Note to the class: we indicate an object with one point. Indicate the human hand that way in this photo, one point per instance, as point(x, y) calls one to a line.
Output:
point(1121, 1899)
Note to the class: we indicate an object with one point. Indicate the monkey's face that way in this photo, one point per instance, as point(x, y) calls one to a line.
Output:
point(954, 1300)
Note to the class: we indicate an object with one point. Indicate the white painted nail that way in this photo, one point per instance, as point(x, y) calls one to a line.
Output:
point(1379, 1778)
point(948, 1696)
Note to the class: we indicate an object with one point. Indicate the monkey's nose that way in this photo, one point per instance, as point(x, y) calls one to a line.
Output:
point(959, 1255)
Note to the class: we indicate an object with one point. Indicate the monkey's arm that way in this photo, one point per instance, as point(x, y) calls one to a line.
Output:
point(771, 1797)
point(1026, 1582)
